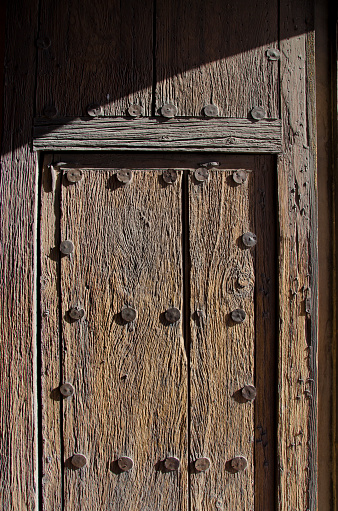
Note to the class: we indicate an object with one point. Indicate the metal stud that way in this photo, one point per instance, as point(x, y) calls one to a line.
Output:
point(201, 174)
point(172, 315)
point(94, 110)
point(66, 247)
point(168, 110)
point(128, 314)
point(135, 111)
point(273, 54)
point(202, 464)
point(238, 315)
point(124, 176)
point(169, 176)
point(249, 392)
point(50, 111)
point(125, 464)
point(74, 175)
point(67, 390)
point(240, 176)
point(172, 464)
point(79, 460)
point(210, 111)
point(249, 239)
point(239, 463)
point(258, 113)
point(76, 313)
point(43, 43)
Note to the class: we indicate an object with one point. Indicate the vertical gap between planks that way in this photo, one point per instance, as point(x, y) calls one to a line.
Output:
point(153, 99)
point(277, 294)
point(186, 312)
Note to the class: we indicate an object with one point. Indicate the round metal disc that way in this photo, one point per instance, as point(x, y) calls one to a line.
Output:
point(67, 389)
point(249, 392)
point(76, 313)
point(168, 110)
point(74, 175)
point(169, 176)
point(249, 239)
point(79, 460)
point(135, 110)
point(94, 110)
point(210, 111)
point(240, 176)
point(124, 176)
point(273, 54)
point(238, 315)
point(128, 314)
point(201, 174)
point(172, 315)
point(172, 464)
point(202, 464)
point(258, 113)
point(66, 247)
point(239, 463)
point(125, 463)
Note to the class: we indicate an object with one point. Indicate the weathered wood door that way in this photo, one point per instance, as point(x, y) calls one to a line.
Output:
point(158, 332)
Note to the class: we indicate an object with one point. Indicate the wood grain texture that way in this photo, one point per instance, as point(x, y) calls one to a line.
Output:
point(298, 315)
point(100, 53)
point(18, 421)
point(130, 379)
point(223, 354)
point(51, 463)
point(215, 53)
point(232, 135)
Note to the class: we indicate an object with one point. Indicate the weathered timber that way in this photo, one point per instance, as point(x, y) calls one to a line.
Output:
point(215, 53)
point(100, 52)
point(18, 421)
point(298, 315)
point(232, 135)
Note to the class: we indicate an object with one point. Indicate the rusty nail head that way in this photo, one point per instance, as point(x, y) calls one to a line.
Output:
point(50, 111)
point(240, 176)
point(238, 315)
point(43, 43)
point(79, 460)
point(168, 110)
point(239, 463)
point(202, 464)
point(74, 175)
point(66, 247)
point(201, 174)
point(67, 389)
point(210, 111)
point(125, 463)
point(172, 315)
point(124, 176)
point(135, 111)
point(169, 176)
point(273, 54)
point(258, 113)
point(76, 313)
point(249, 392)
point(249, 239)
point(94, 110)
point(172, 463)
point(128, 314)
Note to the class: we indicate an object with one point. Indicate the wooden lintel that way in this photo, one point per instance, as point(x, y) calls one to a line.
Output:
point(179, 134)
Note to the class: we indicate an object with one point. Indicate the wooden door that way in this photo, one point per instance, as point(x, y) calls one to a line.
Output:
point(158, 330)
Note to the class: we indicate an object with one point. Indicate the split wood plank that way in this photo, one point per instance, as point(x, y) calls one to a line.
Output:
point(99, 53)
point(18, 421)
point(190, 135)
point(130, 380)
point(215, 53)
point(51, 462)
point(298, 260)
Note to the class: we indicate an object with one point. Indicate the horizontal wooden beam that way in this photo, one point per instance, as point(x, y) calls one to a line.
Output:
point(179, 134)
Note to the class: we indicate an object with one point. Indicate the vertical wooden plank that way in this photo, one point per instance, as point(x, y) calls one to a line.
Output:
point(18, 451)
point(130, 379)
point(100, 52)
point(222, 351)
point(297, 185)
point(215, 52)
point(51, 463)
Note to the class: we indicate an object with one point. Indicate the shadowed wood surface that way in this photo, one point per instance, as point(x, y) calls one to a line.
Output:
point(223, 353)
point(130, 379)
point(215, 53)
